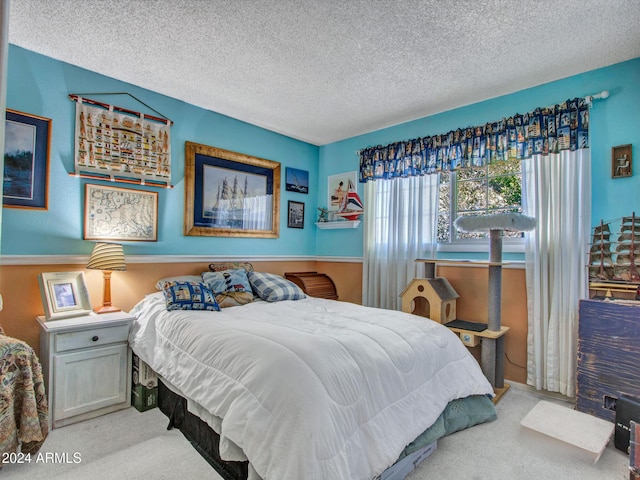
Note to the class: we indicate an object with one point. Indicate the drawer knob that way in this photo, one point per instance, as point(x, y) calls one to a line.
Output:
point(94, 338)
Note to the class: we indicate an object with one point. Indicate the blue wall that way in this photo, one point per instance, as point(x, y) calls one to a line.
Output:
point(614, 121)
point(41, 85)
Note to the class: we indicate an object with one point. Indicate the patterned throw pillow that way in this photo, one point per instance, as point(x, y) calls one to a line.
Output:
point(189, 296)
point(180, 278)
point(227, 281)
point(220, 267)
point(274, 288)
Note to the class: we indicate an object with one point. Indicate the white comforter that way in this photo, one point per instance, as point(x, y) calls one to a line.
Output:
point(310, 389)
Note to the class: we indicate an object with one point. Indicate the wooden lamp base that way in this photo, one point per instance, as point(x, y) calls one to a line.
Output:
point(106, 296)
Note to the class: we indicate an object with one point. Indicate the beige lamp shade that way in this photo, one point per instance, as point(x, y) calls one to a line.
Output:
point(107, 256)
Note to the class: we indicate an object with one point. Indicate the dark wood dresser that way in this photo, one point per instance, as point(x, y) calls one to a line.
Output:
point(608, 356)
point(314, 284)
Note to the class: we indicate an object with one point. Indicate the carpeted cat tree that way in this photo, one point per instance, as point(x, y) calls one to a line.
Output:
point(492, 355)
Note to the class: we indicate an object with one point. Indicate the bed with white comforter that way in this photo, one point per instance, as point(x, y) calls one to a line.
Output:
point(310, 389)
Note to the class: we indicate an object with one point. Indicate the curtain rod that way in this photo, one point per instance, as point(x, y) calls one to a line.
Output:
point(588, 98)
point(602, 95)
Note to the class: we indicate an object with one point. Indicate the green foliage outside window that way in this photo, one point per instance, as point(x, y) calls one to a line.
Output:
point(494, 188)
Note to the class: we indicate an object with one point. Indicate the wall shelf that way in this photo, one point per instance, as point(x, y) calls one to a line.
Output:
point(334, 225)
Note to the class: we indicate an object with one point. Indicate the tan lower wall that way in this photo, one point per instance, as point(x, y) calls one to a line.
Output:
point(472, 286)
point(22, 301)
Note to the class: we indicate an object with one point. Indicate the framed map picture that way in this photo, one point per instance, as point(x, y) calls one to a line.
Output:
point(124, 214)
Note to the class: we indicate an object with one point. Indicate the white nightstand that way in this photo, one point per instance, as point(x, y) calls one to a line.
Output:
point(86, 365)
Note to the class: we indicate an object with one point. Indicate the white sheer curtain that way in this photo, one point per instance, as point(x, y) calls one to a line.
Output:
point(400, 225)
point(557, 192)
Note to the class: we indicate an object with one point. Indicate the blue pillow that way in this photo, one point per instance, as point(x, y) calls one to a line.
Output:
point(227, 281)
point(189, 296)
point(274, 288)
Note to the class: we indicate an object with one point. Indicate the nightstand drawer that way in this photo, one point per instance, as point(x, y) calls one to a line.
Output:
point(91, 338)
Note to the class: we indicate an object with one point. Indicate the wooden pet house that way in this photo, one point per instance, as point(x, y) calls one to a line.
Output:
point(433, 298)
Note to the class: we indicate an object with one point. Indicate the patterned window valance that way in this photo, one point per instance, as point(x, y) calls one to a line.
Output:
point(541, 132)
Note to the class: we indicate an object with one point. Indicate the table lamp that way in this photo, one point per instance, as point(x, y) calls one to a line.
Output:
point(107, 257)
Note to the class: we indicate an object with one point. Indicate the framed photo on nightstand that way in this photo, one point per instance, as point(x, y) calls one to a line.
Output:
point(64, 295)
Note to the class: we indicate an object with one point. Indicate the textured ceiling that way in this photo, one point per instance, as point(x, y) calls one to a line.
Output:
point(325, 70)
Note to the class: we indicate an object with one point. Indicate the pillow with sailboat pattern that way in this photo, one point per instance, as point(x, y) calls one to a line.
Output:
point(189, 296)
point(227, 281)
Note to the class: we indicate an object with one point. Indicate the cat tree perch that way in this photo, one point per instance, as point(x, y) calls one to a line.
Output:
point(492, 355)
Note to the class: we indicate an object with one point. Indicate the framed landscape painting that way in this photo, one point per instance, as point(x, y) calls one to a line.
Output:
point(26, 160)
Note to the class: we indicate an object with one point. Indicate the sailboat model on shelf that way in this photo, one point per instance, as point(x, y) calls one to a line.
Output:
point(616, 260)
point(628, 250)
point(351, 207)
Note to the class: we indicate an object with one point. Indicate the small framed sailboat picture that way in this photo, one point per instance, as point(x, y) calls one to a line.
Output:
point(296, 180)
point(343, 200)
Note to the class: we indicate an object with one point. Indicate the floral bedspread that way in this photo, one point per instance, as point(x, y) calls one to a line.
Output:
point(23, 403)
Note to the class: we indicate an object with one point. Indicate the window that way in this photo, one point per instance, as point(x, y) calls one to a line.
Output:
point(494, 188)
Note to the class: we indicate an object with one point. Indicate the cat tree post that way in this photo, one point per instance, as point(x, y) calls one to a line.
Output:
point(492, 355)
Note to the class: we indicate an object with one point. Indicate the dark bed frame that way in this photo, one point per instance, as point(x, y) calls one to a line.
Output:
point(203, 438)
point(458, 415)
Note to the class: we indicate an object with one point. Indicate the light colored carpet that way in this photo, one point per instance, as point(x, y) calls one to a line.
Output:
point(122, 445)
point(132, 445)
point(503, 450)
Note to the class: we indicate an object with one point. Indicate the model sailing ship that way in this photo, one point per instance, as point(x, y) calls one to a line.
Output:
point(351, 207)
point(618, 259)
